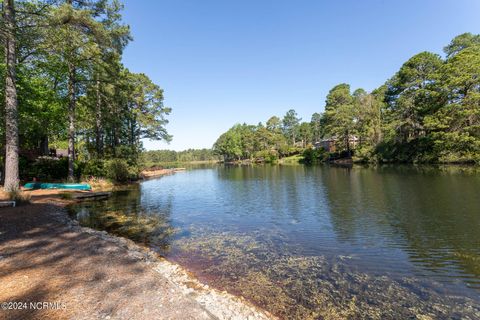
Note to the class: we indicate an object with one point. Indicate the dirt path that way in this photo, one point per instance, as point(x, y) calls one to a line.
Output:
point(45, 257)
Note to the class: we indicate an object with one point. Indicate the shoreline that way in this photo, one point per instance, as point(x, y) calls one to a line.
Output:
point(220, 304)
point(200, 301)
point(148, 174)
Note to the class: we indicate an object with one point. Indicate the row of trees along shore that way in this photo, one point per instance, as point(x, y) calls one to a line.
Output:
point(428, 112)
point(154, 158)
point(65, 88)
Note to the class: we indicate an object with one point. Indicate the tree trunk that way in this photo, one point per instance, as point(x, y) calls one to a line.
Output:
point(11, 104)
point(44, 150)
point(132, 133)
point(115, 134)
point(71, 120)
point(347, 140)
point(98, 122)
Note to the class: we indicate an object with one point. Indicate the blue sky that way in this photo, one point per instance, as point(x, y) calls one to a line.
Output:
point(234, 61)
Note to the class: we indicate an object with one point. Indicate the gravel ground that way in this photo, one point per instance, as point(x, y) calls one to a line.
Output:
point(87, 274)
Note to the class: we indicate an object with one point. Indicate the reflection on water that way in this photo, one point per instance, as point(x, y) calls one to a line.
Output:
point(313, 242)
point(124, 216)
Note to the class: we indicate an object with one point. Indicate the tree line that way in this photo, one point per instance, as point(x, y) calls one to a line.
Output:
point(65, 86)
point(429, 111)
point(276, 138)
point(159, 157)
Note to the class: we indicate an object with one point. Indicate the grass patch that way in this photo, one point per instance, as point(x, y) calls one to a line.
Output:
point(19, 197)
point(99, 184)
point(66, 195)
point(295, 159)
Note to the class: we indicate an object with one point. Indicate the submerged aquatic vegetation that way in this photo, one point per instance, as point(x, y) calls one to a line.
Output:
point(148, 229)
point(265, 268)
point(297, 286)
point(314, 242)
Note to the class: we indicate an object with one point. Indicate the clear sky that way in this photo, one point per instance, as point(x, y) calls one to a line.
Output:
point(223, 62)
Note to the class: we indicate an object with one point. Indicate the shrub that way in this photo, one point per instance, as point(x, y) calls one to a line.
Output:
point(19, 197)
point(99, 183)
point(418, 150)
point(78, 167)
point(49, 168)
point(364, 154)
point(269, 156)
point(94, 168)
point(311, 156)
point(119, 170)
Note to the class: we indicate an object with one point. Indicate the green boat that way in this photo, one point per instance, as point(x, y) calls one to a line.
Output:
point(70, 186)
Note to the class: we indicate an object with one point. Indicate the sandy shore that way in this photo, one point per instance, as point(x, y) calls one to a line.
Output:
point(87, 274)
point(158, 173)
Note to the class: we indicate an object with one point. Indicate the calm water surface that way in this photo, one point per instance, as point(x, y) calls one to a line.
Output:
point(315, 242)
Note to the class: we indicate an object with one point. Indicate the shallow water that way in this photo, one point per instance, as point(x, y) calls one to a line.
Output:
point(315, 242)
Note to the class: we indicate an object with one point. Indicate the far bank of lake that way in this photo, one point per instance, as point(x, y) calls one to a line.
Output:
point(315, 241)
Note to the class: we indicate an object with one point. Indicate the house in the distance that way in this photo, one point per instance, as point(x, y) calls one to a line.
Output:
point(59, 153)
point(329, 144)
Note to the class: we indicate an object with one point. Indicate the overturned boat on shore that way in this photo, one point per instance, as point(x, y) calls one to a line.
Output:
point(68, 186)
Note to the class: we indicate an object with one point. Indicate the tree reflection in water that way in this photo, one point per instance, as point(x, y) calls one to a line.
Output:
point(316, 242)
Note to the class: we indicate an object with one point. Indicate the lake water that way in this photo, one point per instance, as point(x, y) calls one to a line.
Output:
point(315, 242)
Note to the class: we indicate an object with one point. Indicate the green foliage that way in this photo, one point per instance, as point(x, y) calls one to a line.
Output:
point(127, 152)
point(317, 127)
point(460, 42)
point(267, 156)
point(455, 128)
point(429, 111)
point(94, 168)
point(40, 107)
point(290, 124)
point(153, 157)
point(292, 160)
point(274, 124)
point(230, 145)
point(119, 170)
point(305, 133)
point(365, 153)
point(340, 116)
point(48, 168)
point(78, 168)
point(312, 156)
point(70, 75)
point(412, 94)
point(244, 141)
point(433, 110)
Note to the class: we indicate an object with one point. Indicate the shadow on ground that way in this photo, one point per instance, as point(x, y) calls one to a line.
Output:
point(43, 259)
